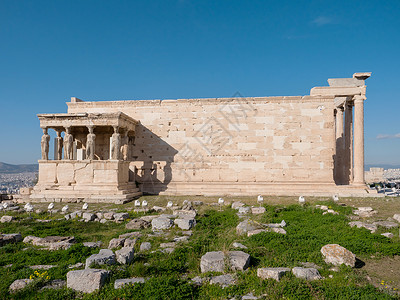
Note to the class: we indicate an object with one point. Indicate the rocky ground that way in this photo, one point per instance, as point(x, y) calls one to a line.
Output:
point(202, 248)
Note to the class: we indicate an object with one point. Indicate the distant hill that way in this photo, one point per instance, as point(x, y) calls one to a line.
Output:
point(385, 166)
point(9, 168)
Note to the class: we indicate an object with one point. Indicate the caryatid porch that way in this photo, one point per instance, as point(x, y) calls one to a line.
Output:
point(90, 161)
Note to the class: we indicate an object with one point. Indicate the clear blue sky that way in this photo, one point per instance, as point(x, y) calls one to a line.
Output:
point(108, 50)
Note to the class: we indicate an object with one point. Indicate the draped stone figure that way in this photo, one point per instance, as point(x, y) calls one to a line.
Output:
point(68, 144)
point(45, 144)
point(125, 146)
point(90, 144)
point(116, 144)
point(59, 146)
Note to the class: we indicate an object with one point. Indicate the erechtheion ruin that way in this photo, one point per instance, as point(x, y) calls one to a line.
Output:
point(116, 150)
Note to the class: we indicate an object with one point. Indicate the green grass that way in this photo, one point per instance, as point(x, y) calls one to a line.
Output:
point(169, 274)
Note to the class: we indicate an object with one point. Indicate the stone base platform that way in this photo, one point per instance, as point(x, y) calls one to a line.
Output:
point(92, 194)
point(84, 181)
point(258, 188)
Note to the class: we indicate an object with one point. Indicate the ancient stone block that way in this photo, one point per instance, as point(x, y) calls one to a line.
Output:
point(273, 273)
point(86, 281)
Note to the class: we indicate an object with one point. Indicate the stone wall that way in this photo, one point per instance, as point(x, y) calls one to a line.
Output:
point(95, 181)
point(244, 141)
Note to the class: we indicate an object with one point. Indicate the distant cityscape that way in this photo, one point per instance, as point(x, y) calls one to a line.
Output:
point(11, 183)
point(391, 174)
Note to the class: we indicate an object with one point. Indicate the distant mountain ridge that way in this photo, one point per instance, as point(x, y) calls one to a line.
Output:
point(9, 168)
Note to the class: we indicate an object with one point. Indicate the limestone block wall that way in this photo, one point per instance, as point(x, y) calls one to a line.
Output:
point(83, 173)
point(225, 140)
point(84, 180)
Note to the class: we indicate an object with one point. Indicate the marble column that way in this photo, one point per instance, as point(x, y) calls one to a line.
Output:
point(90, 144)
point(348, 144)
point(58, 145)
point(339, 168)
point(359, 140)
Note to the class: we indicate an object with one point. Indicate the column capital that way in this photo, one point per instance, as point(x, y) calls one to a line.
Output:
point(359, 98)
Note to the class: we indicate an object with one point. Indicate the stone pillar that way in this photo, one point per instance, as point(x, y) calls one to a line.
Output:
point(90, 144)
point(44, 143)
point(68, 144)
point(348, 144)
point(359, 140)
point(116, 144)
point(58, 145)
point(339, 169)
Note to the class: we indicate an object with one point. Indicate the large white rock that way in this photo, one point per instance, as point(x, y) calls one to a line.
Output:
point(277, 230)
point(109, 215)
point(129, 242)
point(256, 231)
point(185, 224)
point(88, 216)
point(244, 210)
point(212, 262)
point(189, 214)
point(338, 255)
point(257, 210)
point(237, 204)
point(365, 212)
point(161, 223)
point(121, 282)
point(386, 224)
point(396, 217)
point(115, 243)
point(388, 234)
point(6, 219)
point(245, 226)
point(365, 208)
point(306, 273)
point(93, 244)
point(137, 224)
point(125, 255)
point(223, 280)
point(238, 260)
point(86, 281)
point(19, 284)
point(359, 224)
point(104, 257)
point(238, 245)
point(120, 217)
point(51, 242)
point(145, 246)
point(274, 273)
point(215, 261)
point(10, 238)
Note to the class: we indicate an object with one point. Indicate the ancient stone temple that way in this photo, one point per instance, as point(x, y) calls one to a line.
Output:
point(297, 145)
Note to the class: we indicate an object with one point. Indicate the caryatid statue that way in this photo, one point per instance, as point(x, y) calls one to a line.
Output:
point(68, 144)
point(90, 144)
point(125, 145)
point(59, 146)
point(116, 144)
point(45, 144)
